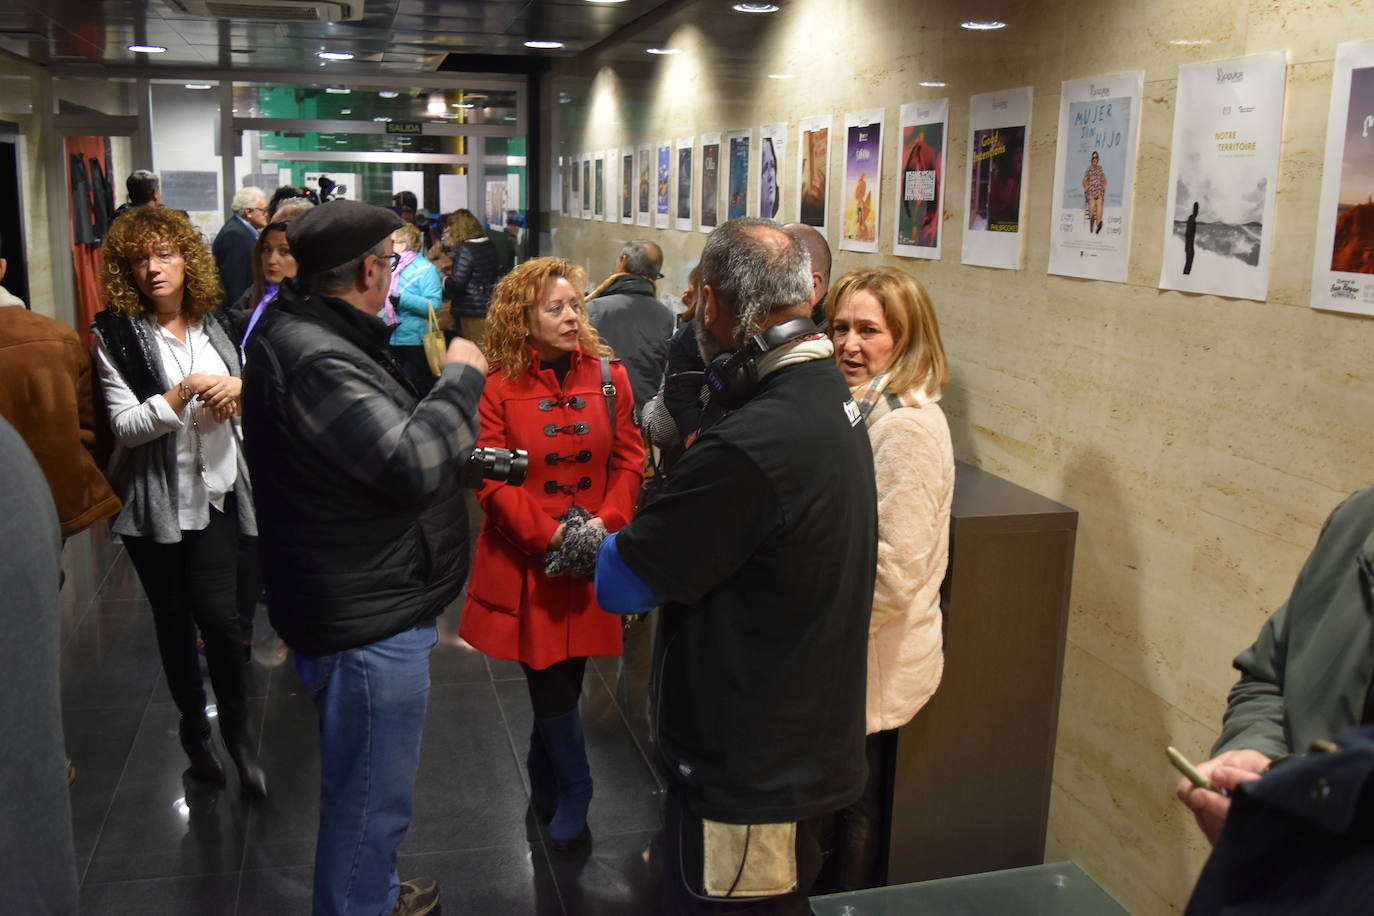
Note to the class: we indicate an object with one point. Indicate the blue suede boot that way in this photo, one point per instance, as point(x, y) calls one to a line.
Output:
point(567, 750)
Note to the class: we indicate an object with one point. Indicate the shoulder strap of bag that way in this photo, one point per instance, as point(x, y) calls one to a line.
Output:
point(608, 389)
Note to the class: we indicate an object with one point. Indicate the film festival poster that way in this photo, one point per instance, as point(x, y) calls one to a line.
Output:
point(575, 187)
point(627, 186)
point(999, 123)
point(664, 173)
point(921, 178)
point(645, 186)
point(813, 168)
point(563, 184)
point(586, 187)
point(1094, 176)
point(612, 185)
point(1219, 202)
point(863, 169)
point(1343, 272)
point(684, 182)
point(737, 189)
point(772, 148)
point(710, 182)
point(599, 185)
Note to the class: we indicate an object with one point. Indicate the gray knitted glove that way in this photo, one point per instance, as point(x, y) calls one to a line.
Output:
point(581, 542)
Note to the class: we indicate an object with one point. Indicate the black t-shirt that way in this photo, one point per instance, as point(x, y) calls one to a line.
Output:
point(764, 545)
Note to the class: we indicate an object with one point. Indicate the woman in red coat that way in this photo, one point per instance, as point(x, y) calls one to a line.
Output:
point(545, 395)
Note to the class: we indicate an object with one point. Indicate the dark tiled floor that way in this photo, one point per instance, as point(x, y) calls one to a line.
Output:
point(149, 842)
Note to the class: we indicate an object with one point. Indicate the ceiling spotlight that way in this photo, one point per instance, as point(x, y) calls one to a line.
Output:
point(463, 105)
point(388, 94)
point(147, 49)
point(382, 119)
point(605, 1)
point(334, 55)
point(782, 76)
point(934, 84)
point(544, 45)
point(665, 51)
point(756, 7)
point(199, 86)
point(983, 25)
point(345, 111)
point(333, 91)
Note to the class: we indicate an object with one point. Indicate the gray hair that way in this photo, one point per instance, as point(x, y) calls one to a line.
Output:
point(291, 208)
point(247, 198)
point(340, 279)
point(642, 257)
point(755, 268)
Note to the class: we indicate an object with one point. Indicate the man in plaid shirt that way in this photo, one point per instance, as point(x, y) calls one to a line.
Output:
point(363, 534)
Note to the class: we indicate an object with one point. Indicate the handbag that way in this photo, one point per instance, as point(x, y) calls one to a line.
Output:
point(434, 343)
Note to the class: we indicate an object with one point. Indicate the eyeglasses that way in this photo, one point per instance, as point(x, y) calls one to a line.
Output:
point(395, 260)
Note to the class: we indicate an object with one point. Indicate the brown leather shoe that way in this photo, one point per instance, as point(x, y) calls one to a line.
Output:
point(418, 897)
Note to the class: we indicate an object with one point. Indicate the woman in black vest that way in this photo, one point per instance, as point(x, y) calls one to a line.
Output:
point(170, 376)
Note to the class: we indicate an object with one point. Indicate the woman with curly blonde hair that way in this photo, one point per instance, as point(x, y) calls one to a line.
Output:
point(476, 263)
point(555, 392)
point(170, 375)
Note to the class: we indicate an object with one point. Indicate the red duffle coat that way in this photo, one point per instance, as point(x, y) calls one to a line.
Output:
point(513, 610)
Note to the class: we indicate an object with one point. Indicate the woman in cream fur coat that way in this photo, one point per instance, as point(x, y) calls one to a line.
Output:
point(887, 345)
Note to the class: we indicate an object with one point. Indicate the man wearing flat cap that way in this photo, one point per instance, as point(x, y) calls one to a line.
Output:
point(363, 534)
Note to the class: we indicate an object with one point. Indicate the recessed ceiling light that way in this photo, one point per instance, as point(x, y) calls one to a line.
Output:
point(782, 76)
point(335, 55)
point(388, 93)
point(381, 119)
point(510, 117)
point(756, 7)
point(983, 25)
point(463, 105)
point(1190, 42)
point(605, 1)
point(544, 45)
point(664, 51)
point(934, 84)
point(345, 111)
point(147, 49)
point(199, 86)
point(333, 91)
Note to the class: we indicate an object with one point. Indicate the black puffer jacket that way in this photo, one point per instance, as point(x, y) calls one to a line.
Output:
point(468, 287)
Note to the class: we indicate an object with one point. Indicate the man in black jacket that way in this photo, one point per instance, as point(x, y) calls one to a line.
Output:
point(364, 534)
point(629, 317)
point(761, 550)
point(233, 245)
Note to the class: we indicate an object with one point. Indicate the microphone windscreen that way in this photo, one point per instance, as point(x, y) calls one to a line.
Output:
point(659, 425)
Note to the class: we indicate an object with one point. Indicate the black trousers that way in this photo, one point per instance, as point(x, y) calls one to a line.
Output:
point(249, 586)
point(682, 893)
point(193, 584)
point(556, 689)
point(413, 362)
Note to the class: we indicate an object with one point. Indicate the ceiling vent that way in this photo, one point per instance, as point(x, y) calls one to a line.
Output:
point(275, 11)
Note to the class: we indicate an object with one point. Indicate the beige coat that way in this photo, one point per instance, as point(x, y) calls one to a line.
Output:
point(914, 462)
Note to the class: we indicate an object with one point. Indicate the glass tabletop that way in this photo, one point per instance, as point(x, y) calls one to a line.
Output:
point(1058, 889)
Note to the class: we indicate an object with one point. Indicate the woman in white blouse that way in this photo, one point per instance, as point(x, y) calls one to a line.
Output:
point(169, 373)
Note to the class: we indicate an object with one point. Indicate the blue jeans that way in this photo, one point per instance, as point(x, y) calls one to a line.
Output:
point(371, 702)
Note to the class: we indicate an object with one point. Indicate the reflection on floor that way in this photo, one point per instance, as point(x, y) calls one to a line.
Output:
point(147, 842)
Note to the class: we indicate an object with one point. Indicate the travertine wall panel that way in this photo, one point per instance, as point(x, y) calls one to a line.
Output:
point(1204, 440)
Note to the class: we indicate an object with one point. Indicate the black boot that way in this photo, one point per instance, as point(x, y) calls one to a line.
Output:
point(200, 749)
point(245, 757)
point(543, 782)
point(857, 852)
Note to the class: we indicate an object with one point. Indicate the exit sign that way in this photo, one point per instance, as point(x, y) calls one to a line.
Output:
point(405, 127)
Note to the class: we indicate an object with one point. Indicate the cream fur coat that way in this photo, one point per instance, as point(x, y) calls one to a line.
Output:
point(914, 462)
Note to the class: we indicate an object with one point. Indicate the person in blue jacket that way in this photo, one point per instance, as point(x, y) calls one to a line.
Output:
point(415, 288)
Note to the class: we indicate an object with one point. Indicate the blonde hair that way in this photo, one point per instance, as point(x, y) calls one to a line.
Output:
point(918, 356)
point(132, 236)
point(462, 226)
point(409, 234)
point(504, 344)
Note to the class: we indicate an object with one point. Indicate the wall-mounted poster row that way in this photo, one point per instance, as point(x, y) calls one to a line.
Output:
point(1094, 176)
point(1343, 269)
point(999, 125)
point(921, 179)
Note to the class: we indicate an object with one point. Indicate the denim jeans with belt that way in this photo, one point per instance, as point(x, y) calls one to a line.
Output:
point(371, 702)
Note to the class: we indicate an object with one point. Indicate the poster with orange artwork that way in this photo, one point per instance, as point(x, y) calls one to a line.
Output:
point(863, 169)
point(1343, 272)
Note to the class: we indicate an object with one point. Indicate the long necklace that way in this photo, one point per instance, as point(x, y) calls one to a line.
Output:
point(190, 405)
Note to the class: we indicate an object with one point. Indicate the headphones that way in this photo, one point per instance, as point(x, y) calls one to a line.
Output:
point(733, 377)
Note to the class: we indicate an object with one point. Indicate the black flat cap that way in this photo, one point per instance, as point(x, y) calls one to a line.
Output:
point(336, 232)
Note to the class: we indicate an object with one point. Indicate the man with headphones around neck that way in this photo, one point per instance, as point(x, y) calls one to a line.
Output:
point(761, 551)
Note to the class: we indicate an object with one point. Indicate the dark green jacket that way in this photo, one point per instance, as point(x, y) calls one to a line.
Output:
point(1308, 675)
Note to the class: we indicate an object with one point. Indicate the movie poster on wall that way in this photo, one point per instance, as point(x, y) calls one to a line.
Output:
point(627, 186)
point(1094, 176)
point(612, 185)
point(921, 152)
point(813, 170)
point(863, 169)
point(772, 148)
point(710, 182)
point(599, 185)
point(562, 179)
point(586, 187)
point(663, 172)
point(644, 190)
point(999, 124)
point(683, 212)
point(575, 187)
point(737, 189)
point(1343, 272)
point(1219, 203)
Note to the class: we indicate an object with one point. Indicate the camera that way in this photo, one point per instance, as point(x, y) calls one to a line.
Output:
point(503, 464)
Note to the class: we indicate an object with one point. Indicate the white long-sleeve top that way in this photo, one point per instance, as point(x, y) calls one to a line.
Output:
point(136, 423)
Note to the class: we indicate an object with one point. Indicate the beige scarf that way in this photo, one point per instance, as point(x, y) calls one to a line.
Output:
point(876, 402)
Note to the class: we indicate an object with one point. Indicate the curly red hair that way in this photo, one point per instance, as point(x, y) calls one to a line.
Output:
point(133, 235)
point(520, 290)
